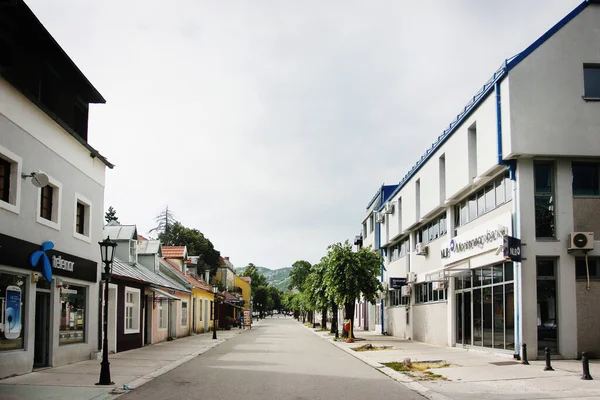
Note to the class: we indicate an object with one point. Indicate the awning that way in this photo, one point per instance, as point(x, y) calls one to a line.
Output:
point(160, 293)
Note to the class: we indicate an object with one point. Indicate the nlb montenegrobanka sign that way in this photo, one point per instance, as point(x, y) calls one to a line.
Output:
point(481, 239)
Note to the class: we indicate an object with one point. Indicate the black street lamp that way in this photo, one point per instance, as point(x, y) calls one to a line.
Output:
point(107, 251)
point(215, 291)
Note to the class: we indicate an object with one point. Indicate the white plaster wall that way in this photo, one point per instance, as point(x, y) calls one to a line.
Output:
point(430, 323)
point(409, 210)
point(487, 135)
point(393, 220)
point(567, 302)
point(431, 262)
point(30, 118)
point(457, 162)
point(430, 184)
point(548, 114)
point(396, 322)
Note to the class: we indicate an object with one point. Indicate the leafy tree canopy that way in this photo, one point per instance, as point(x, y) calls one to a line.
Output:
point(298, 274)
point(257, 279)
point(349, 274)
point(197, 245)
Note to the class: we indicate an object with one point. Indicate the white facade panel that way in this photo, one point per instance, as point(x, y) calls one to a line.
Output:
point(487, 135)
point(457, 164)
point(430, 185)
point(548, 114)
point(38, 124)
point(409, 206)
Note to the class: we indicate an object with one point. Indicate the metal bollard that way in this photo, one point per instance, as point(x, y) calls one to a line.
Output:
point(524, 354)
point(586, 367)
point(548, 366)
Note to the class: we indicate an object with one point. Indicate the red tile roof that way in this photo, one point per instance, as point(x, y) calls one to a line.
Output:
point(173, 251)
point(195, 282)
point(140, 237)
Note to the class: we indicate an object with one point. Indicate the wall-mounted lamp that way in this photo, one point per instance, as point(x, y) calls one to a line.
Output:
point(38, 179)
point(59, 283)
point(35, 277)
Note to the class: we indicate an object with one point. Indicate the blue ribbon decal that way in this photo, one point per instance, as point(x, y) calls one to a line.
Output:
point(35, 259)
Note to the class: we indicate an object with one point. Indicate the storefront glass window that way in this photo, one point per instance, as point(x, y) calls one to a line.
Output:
point(485, 313)
point(12, 306)
point(72, 314)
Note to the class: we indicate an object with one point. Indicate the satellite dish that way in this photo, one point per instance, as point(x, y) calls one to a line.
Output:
point(39, 179)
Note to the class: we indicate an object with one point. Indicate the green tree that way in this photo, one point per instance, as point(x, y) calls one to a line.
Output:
point(298, 274)
point(275, 298)
point(111, 215)
point(261, 300)
point(349, 275)
point(197, 244)
point(316, 289)
point(256, 279)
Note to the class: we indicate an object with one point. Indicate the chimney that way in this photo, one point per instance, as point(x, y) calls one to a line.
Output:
point(207, 276)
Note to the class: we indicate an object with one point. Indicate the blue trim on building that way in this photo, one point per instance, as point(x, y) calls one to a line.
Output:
point(384, 193)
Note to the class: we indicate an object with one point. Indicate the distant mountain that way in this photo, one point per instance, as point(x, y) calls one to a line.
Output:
point(280, 278)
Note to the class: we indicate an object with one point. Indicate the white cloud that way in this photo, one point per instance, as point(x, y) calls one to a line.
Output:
point(269, 125)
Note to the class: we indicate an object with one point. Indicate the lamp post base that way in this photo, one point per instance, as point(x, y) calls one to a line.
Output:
point(105, 374)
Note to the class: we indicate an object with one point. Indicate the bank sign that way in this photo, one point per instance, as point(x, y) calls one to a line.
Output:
point(481, 239)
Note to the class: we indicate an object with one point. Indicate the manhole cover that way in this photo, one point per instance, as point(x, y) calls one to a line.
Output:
point(500, 363)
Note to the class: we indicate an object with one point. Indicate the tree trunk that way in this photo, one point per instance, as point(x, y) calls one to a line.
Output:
point(349, 315)
point(324, 318)
point(334, 319)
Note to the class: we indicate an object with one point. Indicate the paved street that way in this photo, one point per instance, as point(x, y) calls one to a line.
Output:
point(278, 359)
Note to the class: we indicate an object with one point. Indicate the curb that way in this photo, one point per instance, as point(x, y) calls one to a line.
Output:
point(395, 375)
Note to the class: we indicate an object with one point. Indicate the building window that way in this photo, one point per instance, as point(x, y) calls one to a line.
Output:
point(494, 195)
point(13, 297)
point(162, 316)
point(591, 81)
point(132, 310)
point(49, 204)
point(586, 180)
point(200, 309)
point(10, 182)
point(544, 199)
point(399, 249)
point(184, 313)
point(581, 269)
point(83, 218)
point(72, 314)
point(133, 251)
point(211, 310)
point(426, 293)
point(5, 167)
point(433, 230)
point(372, 222)
point(396, 298)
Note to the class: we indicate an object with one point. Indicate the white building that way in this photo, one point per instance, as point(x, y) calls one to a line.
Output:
point(44, 101)
point(521, 160)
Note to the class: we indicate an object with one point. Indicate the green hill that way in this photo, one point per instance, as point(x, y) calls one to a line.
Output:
point(278, 277)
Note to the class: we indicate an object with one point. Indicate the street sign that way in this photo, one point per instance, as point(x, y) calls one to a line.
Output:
point(247, 318)
point(397, 283)
point(511, 248)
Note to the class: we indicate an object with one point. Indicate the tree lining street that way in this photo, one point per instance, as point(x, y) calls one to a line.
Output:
point(277, 359)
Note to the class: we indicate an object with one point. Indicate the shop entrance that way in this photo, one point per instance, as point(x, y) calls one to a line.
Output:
point(41, 353)
point(485, 307)
point(547, 331)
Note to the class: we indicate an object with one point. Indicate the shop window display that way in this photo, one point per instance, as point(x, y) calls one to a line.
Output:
point(12, 307)
point(72, 314)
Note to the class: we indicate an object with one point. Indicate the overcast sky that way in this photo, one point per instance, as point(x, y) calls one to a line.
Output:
point(269, 125)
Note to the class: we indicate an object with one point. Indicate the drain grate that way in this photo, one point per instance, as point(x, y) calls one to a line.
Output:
point(501, 363)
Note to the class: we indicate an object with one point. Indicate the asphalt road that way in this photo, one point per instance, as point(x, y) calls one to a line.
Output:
point(277, 359)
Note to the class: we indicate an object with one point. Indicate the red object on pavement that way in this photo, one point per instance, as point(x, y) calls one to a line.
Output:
point(347, 326)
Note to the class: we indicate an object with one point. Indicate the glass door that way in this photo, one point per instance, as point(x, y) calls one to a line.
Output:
point(546, 306)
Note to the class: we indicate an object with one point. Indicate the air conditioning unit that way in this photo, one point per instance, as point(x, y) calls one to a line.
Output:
point(439, 285)
point(380, 217)
point(581, 241)
point(411, 277)
point(389, 208)
point(405, 291)
point(420, 249)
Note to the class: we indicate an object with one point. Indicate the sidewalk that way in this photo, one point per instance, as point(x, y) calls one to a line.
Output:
point(133, 368)
point(474, 374)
